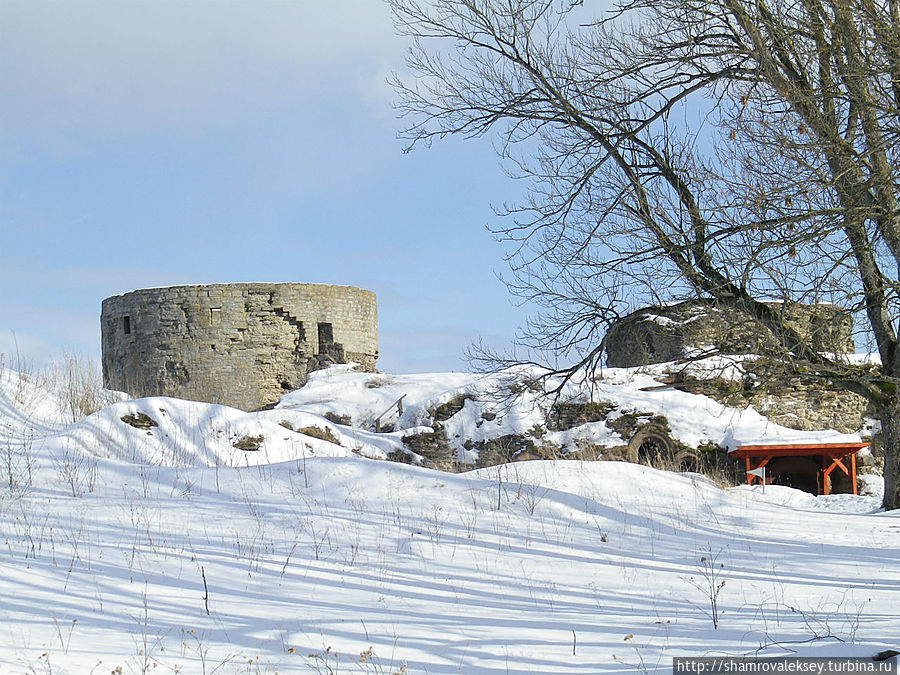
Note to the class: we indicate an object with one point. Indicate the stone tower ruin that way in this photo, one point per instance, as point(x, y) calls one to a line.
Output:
point(242, 345)
point(658, 334)
point(674, 333)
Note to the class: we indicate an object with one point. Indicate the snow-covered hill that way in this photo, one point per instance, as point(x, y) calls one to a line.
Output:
point(196, 539)
point(514, 402)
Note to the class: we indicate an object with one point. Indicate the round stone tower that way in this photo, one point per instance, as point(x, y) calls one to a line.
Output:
point(242, 345)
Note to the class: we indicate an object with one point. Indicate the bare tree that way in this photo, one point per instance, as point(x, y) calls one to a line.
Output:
point(742, 152)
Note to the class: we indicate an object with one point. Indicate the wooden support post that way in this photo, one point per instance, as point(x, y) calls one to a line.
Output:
point(830, 456)
point(837, 463)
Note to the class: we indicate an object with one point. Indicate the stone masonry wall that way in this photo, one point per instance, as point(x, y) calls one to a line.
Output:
point(242, 345)
point(671, 333)
point(792, 402)
point(668, 333)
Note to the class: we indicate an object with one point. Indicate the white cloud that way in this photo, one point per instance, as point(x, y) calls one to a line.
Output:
point(137, 67)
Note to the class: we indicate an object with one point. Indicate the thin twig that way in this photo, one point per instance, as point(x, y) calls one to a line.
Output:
point(205, 590)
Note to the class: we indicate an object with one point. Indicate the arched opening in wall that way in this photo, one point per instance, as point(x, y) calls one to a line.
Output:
point(329, 350)
point(652, 446)
point(689, 462)
point(652, 452)
point(326, 337)
point(644, 348)
point(801, 473)
point(649, 349)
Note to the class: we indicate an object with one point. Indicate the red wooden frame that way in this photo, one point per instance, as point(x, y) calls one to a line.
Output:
point(832, 454)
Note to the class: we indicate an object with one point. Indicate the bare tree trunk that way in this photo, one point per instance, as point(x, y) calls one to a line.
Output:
point(890, 440)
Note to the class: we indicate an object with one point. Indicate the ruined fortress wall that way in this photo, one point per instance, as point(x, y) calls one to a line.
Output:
point(669, 333)
point(242, 345)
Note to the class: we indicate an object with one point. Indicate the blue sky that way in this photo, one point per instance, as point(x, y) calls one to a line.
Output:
point(162, 143)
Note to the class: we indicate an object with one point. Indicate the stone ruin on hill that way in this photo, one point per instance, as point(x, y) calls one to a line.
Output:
point(661, 334)
point(676, 333)
point(665, 333)
point(242, 345)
